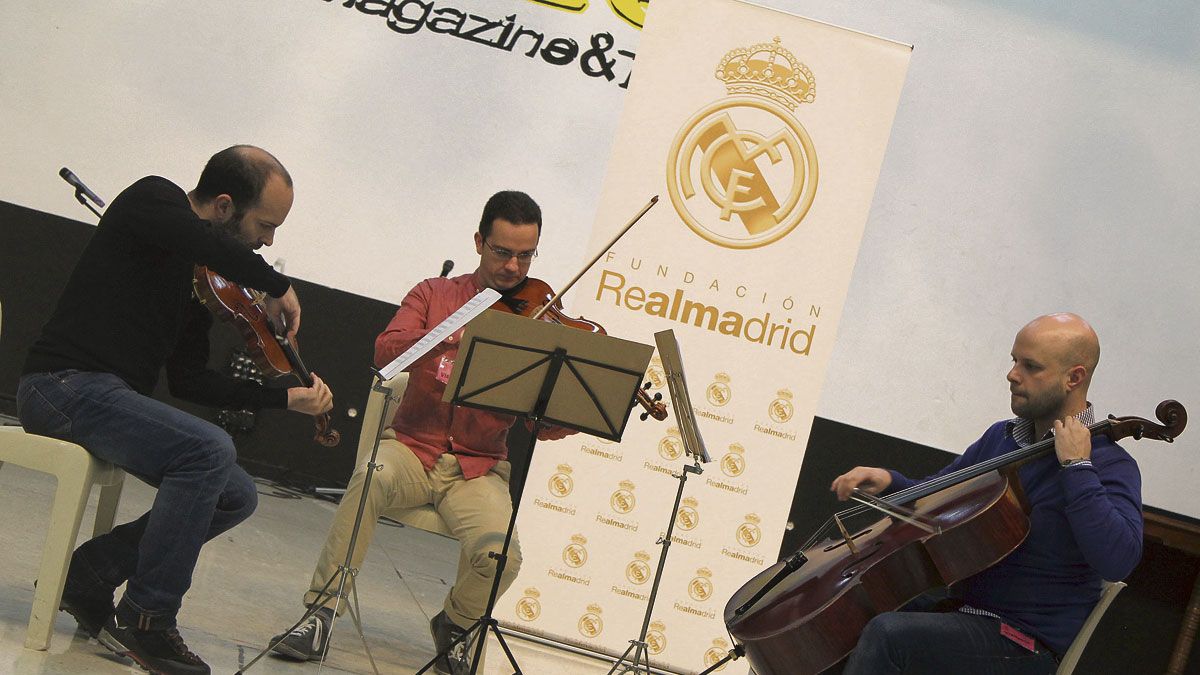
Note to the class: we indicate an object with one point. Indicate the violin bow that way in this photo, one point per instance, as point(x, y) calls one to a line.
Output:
point(650, 204)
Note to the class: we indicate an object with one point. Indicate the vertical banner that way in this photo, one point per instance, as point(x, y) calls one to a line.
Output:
point(764, 134)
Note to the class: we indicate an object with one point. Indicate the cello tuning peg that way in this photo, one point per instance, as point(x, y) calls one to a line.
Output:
point(646, 386)
point(658, 396)
point(644, 416)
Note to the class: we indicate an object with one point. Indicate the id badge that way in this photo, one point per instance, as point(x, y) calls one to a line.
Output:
point(445, 367)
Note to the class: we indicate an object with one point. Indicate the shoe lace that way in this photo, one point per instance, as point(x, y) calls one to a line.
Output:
point(461, 651)
point(305, 628)
point(178, 644)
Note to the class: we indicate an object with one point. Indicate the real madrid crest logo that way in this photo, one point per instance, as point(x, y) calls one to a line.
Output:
point(719, 393)
point(749, 533)
point(671, 445)
point(655, 373)
point(700, 588)
point(742, 172)
point(590, 624)
point(715, 653)
point(623, 501)
point(529, 607)
point(733, 464)
point(781, 409)
point(561, 484)
point(638, 569)
point(656, 637)
point(688, 517)
point(575, 553)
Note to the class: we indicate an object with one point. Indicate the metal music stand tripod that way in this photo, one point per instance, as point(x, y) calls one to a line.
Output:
point(546, 374)
point(471, 309)
point(344, 571)
point(693, 445)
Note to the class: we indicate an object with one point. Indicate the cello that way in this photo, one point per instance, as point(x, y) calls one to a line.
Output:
point(805, 613)
point(272, 352)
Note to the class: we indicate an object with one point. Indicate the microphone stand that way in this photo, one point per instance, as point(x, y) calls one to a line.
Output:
point(83, 200)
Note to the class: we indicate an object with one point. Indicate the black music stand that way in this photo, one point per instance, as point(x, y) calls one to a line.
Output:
point(547, 374)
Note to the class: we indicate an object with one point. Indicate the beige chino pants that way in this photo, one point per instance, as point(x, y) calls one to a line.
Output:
point(476, 512)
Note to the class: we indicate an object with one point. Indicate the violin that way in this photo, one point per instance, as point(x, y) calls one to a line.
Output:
point(804, 614)
point(271, 351)
point(525, 298)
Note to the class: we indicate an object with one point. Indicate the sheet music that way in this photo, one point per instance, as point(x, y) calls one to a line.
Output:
point(474, 307)
point(672, 360)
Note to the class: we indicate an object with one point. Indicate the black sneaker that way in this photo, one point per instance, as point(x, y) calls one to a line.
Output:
point(454, 660)
point(161, 652)
point(307, 642)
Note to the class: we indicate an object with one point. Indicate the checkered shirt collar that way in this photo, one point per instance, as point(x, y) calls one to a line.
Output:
point(1021, 429)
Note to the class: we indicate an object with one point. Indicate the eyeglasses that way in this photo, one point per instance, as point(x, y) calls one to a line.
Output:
point(524, 257)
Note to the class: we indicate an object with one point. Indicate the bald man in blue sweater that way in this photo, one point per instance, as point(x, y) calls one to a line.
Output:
point(1021, 614)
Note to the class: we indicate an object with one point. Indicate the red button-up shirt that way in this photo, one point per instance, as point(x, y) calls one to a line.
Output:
point(423, 422)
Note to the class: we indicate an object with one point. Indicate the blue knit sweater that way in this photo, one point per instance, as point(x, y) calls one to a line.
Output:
point(1085, 525)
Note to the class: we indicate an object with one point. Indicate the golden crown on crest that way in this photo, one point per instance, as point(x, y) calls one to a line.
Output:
point(767, 69)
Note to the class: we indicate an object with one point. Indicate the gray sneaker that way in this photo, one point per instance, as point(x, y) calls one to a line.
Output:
point(457, 659)
point(308, 641)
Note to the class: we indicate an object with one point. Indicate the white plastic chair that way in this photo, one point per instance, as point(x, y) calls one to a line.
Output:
point(75, 471)
point(1071, 658)
point(422, 517)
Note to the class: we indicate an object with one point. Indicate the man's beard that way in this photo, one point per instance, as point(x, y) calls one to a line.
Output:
point(1038, 407)
point(232, 230)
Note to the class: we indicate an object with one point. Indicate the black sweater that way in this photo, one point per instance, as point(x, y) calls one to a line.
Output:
point(128, 308)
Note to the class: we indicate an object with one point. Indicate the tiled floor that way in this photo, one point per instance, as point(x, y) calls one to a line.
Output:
point(247, 587)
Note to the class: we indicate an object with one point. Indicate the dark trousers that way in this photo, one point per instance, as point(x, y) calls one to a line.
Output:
point(202, 492)
point(916, 641)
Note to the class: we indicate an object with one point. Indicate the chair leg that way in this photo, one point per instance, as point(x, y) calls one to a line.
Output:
point(106, 507)
point(70, 498)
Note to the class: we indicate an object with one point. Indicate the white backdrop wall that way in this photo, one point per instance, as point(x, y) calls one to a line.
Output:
point(1043, 158)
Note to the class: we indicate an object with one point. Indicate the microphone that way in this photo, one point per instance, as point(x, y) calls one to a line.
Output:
point(446, 266)
point(80, 188)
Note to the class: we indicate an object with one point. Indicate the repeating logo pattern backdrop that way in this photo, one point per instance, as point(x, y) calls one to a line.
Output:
point(766, 186)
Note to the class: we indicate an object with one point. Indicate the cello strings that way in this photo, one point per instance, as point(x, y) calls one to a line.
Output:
point(949, 480)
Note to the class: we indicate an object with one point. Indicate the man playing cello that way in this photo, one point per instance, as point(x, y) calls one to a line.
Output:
point(1021, 614)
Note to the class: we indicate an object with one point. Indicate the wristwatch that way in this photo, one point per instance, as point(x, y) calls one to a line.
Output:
point(1072, 462)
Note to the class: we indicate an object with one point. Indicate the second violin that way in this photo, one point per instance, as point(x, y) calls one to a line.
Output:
point(535, 299)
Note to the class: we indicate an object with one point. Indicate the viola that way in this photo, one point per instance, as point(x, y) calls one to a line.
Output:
point(805, 613)
point(527, 297)
point(273, 353)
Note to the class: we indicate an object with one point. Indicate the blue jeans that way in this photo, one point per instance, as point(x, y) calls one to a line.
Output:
point(202, 492)
point(938, 643)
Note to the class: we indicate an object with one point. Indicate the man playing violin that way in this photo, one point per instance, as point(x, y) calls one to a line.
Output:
point(434, 453)
point(126, 312)
point(1021, 614)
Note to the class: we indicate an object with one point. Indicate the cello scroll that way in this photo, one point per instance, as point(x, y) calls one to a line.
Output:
point(1170, 412)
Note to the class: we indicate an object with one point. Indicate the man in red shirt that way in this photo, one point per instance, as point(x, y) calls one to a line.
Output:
point(433, 453)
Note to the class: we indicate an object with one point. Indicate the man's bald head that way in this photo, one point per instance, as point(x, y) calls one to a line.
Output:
point(240, 171)
point(1068, 339)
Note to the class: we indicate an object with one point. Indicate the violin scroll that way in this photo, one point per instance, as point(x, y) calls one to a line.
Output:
point(1170, 412)
point(653, 406)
